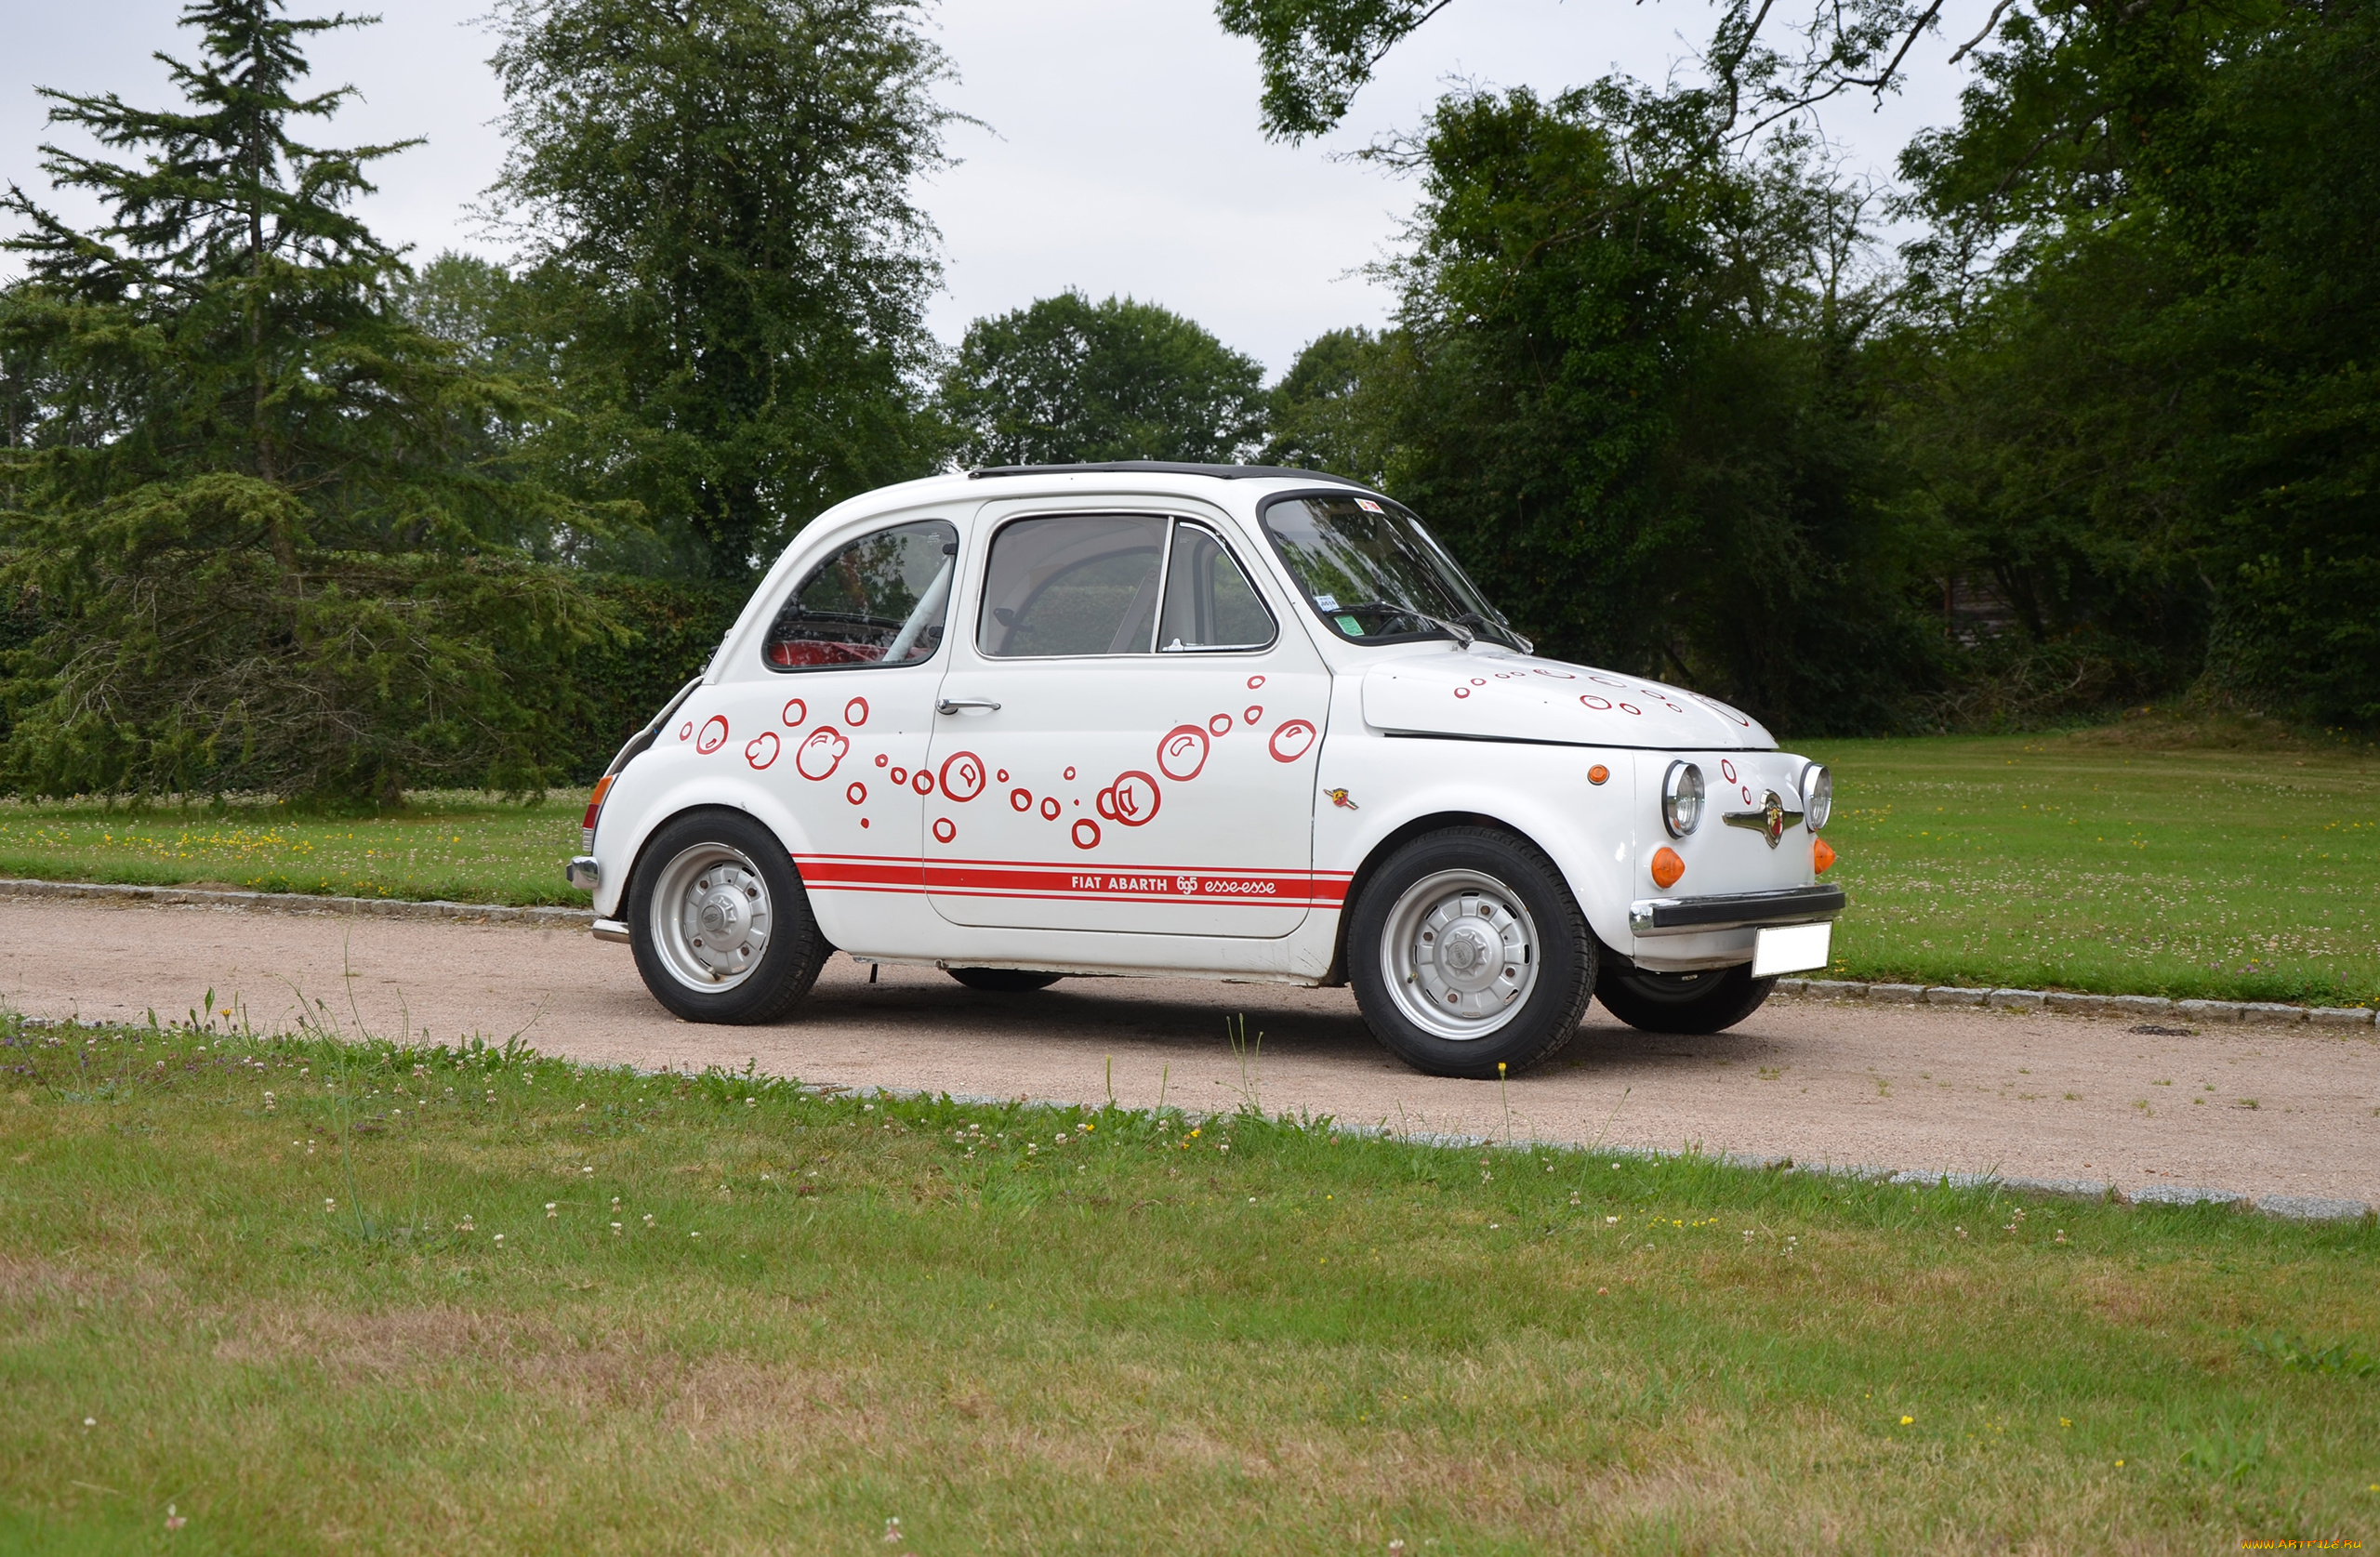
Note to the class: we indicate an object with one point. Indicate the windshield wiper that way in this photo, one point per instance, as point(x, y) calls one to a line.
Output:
point(1461, 635)
point(1500, 629)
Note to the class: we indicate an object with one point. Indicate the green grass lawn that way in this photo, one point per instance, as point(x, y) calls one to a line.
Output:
point(2089, 862)
point(310, 1297)
point(466, 848)
point(2099, 861)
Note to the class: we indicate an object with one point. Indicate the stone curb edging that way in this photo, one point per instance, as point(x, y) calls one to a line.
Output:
point(303, 903)
point(2250, 1012)
point(2143, 1006)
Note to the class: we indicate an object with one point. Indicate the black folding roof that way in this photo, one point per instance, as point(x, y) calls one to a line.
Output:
point(1170, 467)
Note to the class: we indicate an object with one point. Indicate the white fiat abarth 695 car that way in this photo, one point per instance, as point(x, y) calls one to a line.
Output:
point(1225, 720)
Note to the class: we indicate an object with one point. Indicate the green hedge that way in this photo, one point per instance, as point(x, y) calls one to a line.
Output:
point(674, 630)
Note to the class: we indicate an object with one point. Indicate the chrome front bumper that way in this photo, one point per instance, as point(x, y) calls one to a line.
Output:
point(1689, 915)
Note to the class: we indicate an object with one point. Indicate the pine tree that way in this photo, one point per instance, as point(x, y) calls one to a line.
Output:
point(271, 543)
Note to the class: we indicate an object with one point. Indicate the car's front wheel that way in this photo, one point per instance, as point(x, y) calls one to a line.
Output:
point(1710, 1001)
point(719, 921)
point(1469, 954)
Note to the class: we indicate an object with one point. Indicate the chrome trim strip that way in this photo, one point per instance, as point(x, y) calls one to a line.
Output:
point(611, 929)
point(1689, 915)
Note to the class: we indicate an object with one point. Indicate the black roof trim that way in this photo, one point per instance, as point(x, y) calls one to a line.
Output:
point(1170, 467)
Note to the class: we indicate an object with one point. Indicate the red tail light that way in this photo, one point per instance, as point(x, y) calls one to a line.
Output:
point(595, 806)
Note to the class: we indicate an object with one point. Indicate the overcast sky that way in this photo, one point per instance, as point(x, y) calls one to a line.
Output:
point(1121, 153)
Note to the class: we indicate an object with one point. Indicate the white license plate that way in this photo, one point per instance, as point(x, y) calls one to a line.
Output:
point(1789, 949)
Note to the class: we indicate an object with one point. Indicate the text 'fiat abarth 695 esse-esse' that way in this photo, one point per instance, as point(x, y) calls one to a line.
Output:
point(1220, 721)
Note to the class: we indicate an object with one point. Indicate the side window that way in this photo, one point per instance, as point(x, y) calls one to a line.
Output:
point(1209, 602)
point(882, 599)
point(1073, 585)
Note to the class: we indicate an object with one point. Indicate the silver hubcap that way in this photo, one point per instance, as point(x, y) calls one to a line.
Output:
point(1461, 951)
point(711, 916)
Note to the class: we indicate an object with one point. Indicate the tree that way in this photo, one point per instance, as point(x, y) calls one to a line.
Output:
point(2150, 407)
point(714, 201)
point(245, 509)
point(1317, 54)
point(1333, 409)
point(1634, 400)
point(1067, 379)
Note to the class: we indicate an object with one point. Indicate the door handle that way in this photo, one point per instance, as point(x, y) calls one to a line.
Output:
point(967, 706)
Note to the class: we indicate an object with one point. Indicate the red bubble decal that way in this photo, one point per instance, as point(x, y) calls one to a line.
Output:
point(686, 729)
point(922, 782)
point(1601, 705)
point(1070, 775)
point(1183, 753)
point(1559, 675)
point(1254, 683)
point(1086, 833)
point(1630, 708)
point(1003, 775)
point(796, 711)
point(822, 753)
point(1252, 715)
point(963, 776)
point(1219, 725)
point(1727, 770)
point(855, 712)
point(1020, 800)
point(856, 794)
point(1132, 799)
point(1292, 741)
point(900, 776)
point(1050, 807)
point(943, 829)
point(1462, 692)
point(714, 734)
point(1747, 793)
point(762, 749)
point(1608, 681)
point(882, 760)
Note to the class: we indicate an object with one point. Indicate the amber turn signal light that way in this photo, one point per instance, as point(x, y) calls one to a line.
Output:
point(1599, 773)
point(1821, 856)
point(1667, 867)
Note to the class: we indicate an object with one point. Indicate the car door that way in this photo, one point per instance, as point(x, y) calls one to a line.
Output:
point(841, 705)
point(1128, 733)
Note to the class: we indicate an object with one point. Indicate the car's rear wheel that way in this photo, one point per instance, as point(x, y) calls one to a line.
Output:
point(1004, 981)
point(719, 921)
point(1468, 953)
point(1708, 1001)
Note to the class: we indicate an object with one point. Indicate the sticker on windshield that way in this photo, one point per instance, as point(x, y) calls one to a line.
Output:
point(1326, 602)
point(1351, 627)
point(1369, 507)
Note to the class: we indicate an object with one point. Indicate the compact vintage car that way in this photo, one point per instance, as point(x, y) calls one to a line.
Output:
point(1223, 720)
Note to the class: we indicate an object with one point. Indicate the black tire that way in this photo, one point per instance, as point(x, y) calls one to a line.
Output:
point(791, 950)
point(1548, 974)
point(1709, 1001)
point(1004, 981)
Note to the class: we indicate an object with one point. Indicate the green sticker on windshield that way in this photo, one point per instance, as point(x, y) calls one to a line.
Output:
point(1351, 627)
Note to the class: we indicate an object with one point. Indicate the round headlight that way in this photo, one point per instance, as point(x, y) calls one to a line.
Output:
point(1818, 796)
point(1681, 798)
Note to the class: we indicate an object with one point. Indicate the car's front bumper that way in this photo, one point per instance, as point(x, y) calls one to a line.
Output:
point(1691, 916)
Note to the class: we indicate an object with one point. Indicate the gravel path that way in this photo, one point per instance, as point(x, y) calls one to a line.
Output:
point(2264, 1113)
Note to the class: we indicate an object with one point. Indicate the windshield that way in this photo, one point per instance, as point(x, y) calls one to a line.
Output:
point(1375, 574)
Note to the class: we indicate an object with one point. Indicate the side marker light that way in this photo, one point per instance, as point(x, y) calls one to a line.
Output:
point(1599, 773)
point(1667, 867)
point(1821, 855)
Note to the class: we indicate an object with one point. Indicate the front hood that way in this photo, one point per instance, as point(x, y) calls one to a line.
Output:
point(1494, 695)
